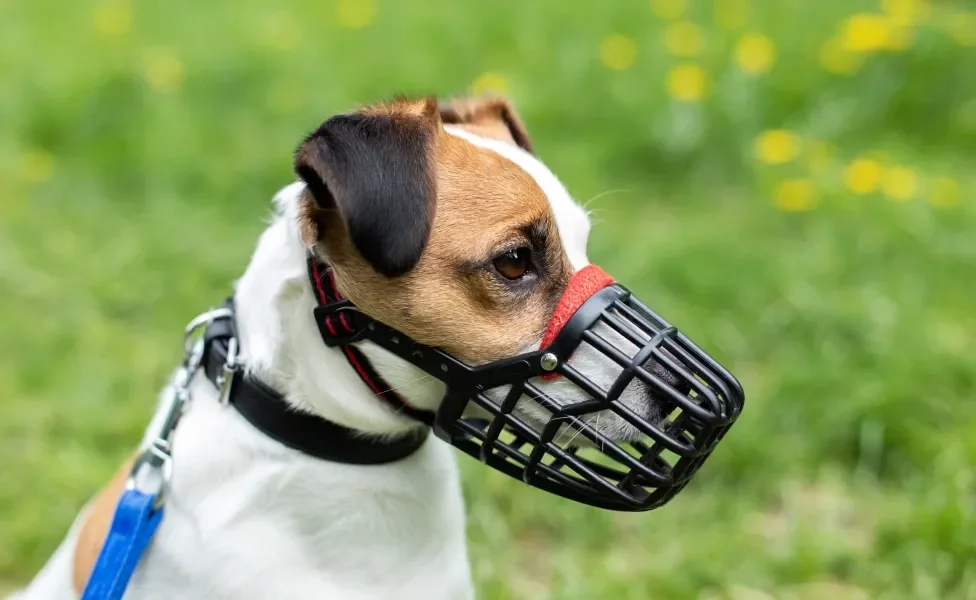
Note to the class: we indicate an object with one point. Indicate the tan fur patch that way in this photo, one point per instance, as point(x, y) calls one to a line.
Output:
point(449, 300)
point(96, 525)
point(426, 107)
point(490, 117)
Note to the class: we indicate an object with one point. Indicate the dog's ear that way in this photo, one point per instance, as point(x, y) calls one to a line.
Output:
point(490, 116)
point(375, 170)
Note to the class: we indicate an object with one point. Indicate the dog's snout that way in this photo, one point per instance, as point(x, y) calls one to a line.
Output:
point(667, 375)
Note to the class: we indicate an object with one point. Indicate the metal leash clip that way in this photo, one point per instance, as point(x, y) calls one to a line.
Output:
point(152, 470)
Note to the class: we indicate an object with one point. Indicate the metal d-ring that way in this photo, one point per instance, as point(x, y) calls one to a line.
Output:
point(158, 459)
point(202, 321)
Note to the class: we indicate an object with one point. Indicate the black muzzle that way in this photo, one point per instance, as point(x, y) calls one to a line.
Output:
point(663, 403)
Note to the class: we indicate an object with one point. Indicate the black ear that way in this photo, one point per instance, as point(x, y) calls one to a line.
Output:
point(376, 170)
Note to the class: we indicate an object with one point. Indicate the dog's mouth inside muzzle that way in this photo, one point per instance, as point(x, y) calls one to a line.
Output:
point(616, 409)
point(664, 405)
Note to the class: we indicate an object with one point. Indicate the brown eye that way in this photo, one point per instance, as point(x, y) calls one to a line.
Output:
point(514, 263)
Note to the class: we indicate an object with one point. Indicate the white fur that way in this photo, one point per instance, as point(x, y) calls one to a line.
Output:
point(248, 518)
point(573, 225)
point(251, 519)
point(571, 220)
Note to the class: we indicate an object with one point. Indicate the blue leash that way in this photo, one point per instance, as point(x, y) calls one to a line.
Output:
point(135, 522)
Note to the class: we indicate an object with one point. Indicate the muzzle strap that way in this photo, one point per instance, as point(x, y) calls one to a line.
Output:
point(586, 282)
point(340, 327)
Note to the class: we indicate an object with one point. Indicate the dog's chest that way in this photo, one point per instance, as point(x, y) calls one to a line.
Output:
point(250, 519)
point(259, 560)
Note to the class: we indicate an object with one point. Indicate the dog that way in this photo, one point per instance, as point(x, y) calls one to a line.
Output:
point(437, 219)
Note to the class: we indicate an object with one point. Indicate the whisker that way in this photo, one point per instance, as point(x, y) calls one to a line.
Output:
point(597, 427)
point(593, 420)
point(579, 431)
point(406, 383)
point(601, 195)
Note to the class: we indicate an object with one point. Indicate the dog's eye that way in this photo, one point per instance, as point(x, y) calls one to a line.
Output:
point(514, 263)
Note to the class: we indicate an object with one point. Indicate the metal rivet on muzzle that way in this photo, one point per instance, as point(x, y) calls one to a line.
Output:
point(549, 361)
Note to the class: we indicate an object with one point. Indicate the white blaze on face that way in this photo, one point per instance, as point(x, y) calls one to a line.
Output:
point(571, 220)
point(573, 225)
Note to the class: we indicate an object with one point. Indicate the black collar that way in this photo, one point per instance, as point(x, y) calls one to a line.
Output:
point(268, 411)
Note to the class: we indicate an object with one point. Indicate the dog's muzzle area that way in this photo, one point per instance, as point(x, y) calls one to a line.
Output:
point(623, 413)
point(640, 398)
point(615, 408)
point(600, 369)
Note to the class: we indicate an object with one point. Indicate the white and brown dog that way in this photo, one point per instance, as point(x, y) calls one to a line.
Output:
point(439, 221)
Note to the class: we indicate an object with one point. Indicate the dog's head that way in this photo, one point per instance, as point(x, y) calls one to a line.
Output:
point(440, 222)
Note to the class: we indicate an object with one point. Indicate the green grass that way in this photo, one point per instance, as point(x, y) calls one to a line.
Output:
point(138, 159)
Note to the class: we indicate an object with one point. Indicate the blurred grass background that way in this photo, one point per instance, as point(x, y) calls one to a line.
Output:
point(789, 182)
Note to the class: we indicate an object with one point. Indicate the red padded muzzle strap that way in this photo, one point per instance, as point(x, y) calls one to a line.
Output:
point(586, 282)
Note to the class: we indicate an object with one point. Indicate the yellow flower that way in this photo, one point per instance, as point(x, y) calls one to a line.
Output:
point(795, 195)
point(731, 14)
point(163, 71)
point(618, 52)
point(668, 9)
point(777, 146)
point(836, 59)
point(687, 82)
point(899, 183)
point(866, 32)
point(112, 18)
point(36, 165)
point(355, 14)
point(943, 192)
point(755, 53)
point(818, 156)
point(962, 28)
point(489, 82)
point(862, 176)
point(683, 38)
point(906, 11)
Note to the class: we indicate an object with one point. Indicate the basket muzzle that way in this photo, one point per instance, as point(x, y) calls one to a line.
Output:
point(616, 409)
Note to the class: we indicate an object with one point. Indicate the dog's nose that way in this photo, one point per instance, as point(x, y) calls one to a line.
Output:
point(681, 384)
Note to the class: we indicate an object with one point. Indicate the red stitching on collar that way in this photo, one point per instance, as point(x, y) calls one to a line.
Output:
point(362, 372)
point(318, 280)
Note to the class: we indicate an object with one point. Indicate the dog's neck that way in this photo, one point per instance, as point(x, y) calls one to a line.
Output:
point(281, 344)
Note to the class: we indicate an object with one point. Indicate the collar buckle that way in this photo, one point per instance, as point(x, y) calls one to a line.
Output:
point(225, 379)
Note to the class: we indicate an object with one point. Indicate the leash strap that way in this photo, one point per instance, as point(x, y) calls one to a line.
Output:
point(132, 529)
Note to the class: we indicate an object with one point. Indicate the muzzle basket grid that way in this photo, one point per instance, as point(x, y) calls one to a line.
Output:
point(696, 402)
point(703, 400)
